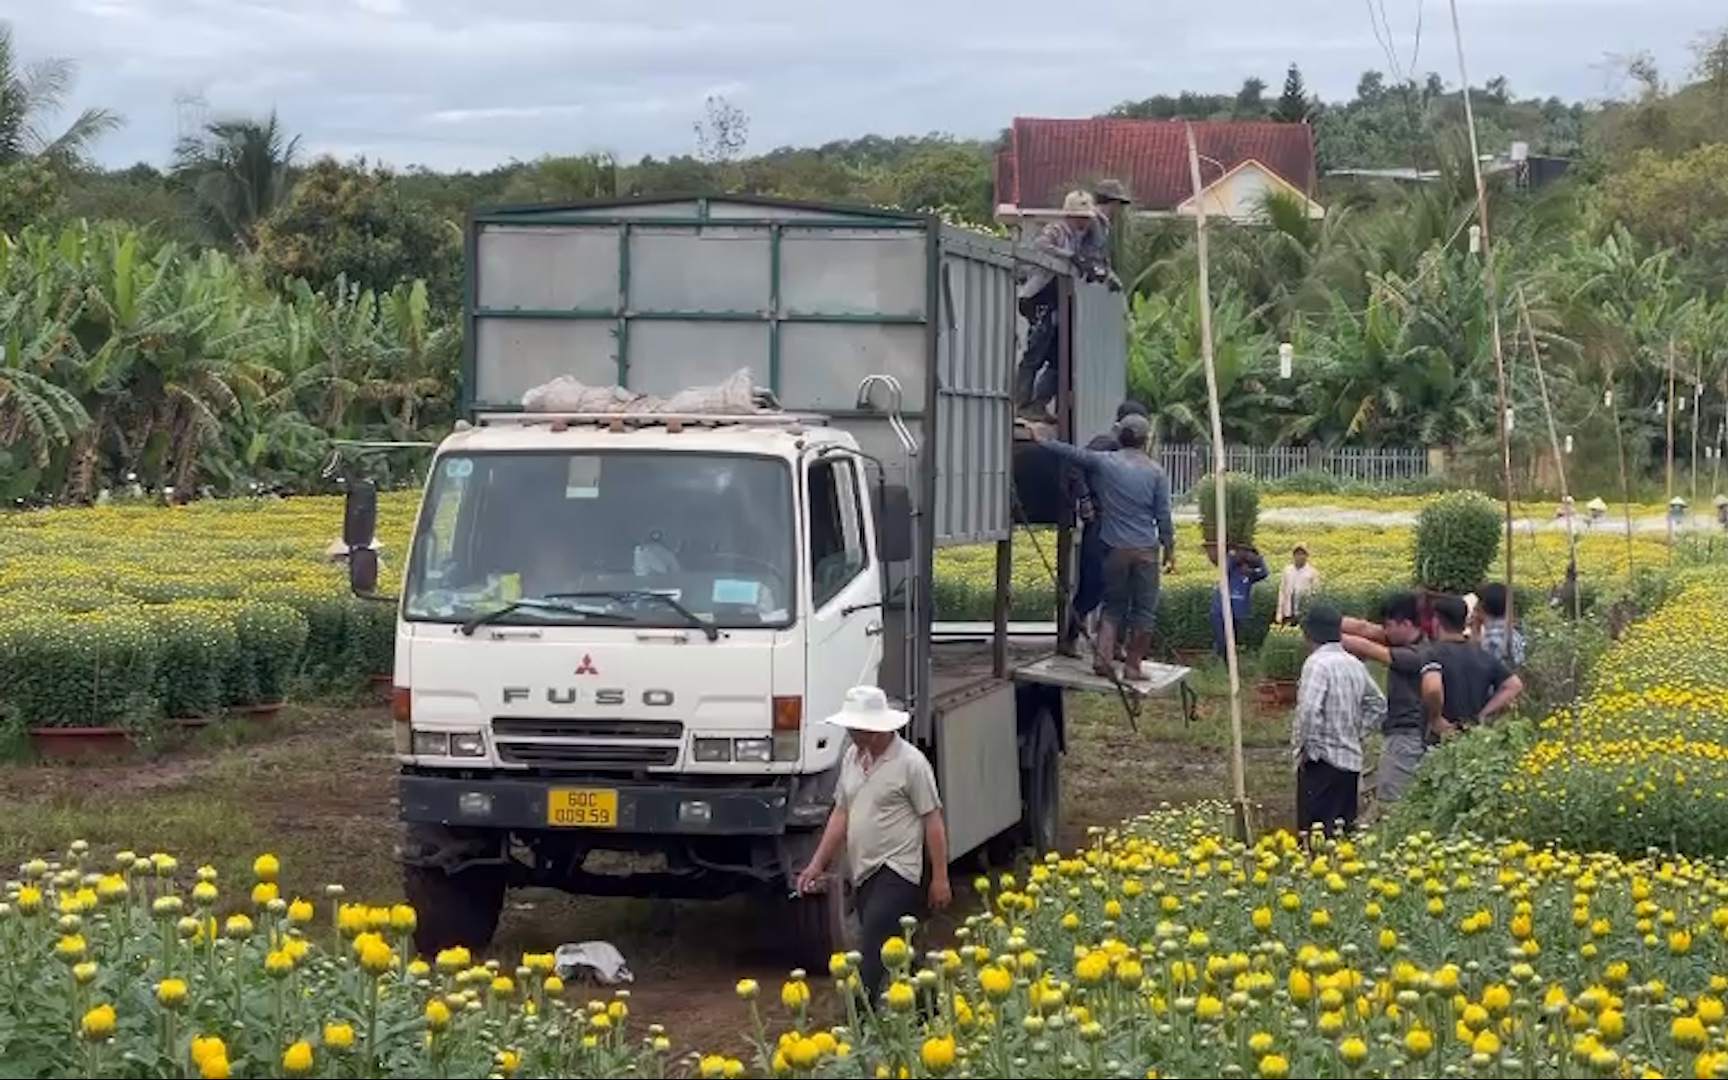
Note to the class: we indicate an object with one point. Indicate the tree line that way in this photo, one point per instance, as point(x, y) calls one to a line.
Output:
point(216, 322)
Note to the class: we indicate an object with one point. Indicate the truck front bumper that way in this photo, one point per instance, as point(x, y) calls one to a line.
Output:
point(493, 803)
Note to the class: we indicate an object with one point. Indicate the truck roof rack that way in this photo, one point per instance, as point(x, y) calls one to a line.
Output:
point(652, 419)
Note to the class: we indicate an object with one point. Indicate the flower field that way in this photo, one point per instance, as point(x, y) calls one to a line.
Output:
point(1163, 949)
point(1642, 761)
point(126, 612)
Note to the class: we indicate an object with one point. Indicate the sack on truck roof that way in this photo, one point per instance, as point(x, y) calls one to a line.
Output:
point(736, 396)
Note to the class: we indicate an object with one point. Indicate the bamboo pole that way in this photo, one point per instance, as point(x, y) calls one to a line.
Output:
point(1491, 295)
point(1625, 480)
point(1669, 509)
point(1697, 421)
point(1559, 463)
point(1220, 465)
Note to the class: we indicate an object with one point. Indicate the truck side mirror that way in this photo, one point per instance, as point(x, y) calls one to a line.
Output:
point(893, 523)
point(360, 514)
point(363, 571)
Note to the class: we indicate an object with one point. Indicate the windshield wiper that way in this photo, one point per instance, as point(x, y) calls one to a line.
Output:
point(696, 621)
point(546, 604)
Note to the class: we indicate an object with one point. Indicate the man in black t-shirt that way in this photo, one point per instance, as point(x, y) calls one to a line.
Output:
point(1477, 683)
point(1413, 689)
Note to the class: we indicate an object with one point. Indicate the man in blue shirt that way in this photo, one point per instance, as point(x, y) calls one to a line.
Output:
point(1246, 567)
point(1089, 589)
point(1132, 496)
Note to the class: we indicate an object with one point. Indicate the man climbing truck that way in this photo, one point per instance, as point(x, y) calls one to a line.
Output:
point(624, 617)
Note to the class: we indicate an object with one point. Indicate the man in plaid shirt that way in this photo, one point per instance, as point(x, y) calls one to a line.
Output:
point(1337, 703)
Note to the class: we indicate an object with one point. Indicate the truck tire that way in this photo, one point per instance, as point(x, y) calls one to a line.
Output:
point(1041, 788)
point(824, 924)
point(454, 909)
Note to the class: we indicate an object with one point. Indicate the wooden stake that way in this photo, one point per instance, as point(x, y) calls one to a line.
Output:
point(1670, 507)
point(1697, 421)
point(1490, 295)
point(1559, 461)
point(1220, 463)
point(1625, 481)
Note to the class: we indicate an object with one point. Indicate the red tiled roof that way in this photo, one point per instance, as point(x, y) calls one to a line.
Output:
point(1046, 158)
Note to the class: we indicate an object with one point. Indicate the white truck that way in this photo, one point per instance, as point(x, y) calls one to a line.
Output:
point(621, 631)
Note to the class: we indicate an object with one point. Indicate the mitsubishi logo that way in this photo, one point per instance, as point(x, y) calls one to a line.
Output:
point(586, 667)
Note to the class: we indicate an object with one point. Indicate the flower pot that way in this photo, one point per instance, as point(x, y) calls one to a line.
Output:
point(192, 723)
point(262, 710)
point(80, 743)
point(1275, 693)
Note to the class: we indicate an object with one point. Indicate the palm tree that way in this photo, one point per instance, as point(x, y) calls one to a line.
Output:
point(29, 95)
point(237, 172)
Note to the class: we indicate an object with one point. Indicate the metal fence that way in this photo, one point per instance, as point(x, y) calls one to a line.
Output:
point(1186, 463)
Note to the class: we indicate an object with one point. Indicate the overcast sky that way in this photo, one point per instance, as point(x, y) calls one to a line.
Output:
point(471, 83)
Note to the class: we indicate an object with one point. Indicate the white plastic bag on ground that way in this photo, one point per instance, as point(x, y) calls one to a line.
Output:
point(736, 396)
point(600, 959)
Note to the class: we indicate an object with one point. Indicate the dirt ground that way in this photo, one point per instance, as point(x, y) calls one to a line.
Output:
point(315, 787)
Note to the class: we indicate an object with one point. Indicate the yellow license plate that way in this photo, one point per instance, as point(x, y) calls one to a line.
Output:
point(582, 808)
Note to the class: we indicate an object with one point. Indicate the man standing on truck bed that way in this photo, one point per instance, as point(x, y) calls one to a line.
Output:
point(1133, 500)
point(888, 816)
point(1089, 589)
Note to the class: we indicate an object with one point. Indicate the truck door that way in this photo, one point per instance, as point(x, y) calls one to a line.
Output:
point(844, 585)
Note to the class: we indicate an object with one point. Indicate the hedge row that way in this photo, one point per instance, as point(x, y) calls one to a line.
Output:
point(1635, 763)
point(1185, 607)
point(126, 665)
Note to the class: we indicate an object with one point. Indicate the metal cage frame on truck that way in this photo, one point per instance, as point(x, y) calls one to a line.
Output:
point(838, 311)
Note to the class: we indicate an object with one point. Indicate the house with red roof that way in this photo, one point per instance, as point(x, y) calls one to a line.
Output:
point(1241, 162)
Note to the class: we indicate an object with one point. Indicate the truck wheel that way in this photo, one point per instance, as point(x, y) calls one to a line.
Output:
point(454, 909)
point(826, 923)
point(1041, 825)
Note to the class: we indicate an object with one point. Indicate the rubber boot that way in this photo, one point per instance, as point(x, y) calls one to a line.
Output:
point(1105, 649)
point(1139, 643)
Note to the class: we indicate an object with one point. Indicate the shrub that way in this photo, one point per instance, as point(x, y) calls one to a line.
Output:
point(1456, 538)
point(1634, 764)
point(199, 646)
point(1241, 508)
point(96, 669)
point(1282, 654)
point(1638, 762)
point(272, 645)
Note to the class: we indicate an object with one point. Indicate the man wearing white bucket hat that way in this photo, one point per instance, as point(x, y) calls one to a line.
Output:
point(888, 816)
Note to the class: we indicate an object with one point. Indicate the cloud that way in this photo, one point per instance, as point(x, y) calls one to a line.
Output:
point(452, 83)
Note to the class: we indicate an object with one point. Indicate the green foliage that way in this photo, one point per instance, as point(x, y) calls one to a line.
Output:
point(30, 190)
point(1460, 786)
point(341, 225)
point(1457, 536)
point(1678, 202)
point(129, 665)
point(125, 356)
point(1241, 508)
point(1282, 653)
point(94, 670)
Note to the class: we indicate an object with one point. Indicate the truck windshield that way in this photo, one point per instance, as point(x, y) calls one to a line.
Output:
point(608, 529)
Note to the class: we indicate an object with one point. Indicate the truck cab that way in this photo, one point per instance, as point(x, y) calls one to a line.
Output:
point(621, 628)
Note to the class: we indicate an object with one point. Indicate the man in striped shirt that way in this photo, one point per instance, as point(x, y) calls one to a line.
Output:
point(1337, 703)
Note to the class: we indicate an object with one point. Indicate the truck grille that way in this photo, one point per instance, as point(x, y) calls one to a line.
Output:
point(590, 743)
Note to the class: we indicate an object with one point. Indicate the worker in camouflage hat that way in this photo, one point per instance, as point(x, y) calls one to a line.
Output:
point(1110, 197)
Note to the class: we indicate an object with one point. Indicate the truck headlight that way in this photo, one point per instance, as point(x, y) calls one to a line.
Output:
point(463, 744)
point(711, 751)
point(754, 750)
